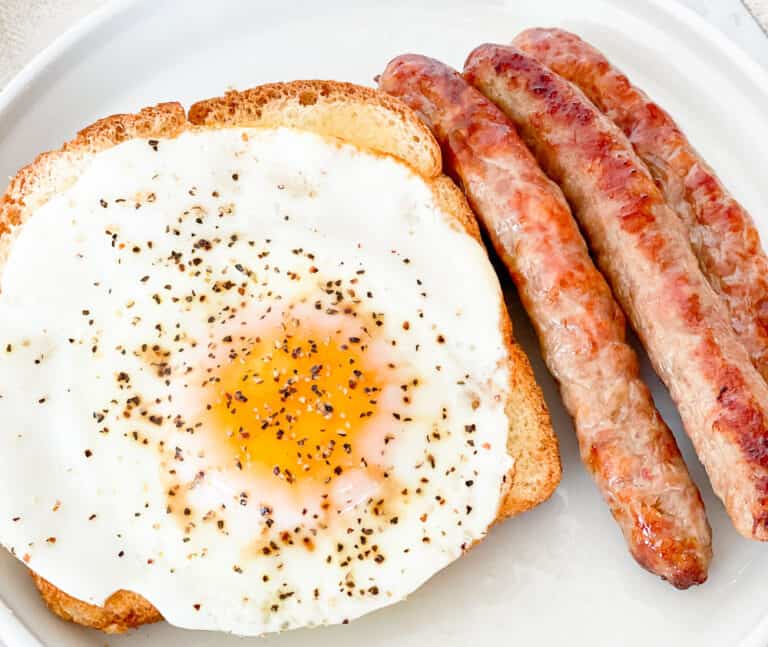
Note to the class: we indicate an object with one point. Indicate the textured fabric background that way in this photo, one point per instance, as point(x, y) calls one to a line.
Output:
point(27, 26)
point(759, 9)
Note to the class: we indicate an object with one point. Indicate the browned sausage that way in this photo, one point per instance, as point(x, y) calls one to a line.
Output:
point(624, 443)
point(642, 248)
point(722, 233)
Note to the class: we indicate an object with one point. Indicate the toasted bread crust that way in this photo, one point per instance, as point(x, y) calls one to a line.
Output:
point(122, 610)
point(362, 116)
point(531, 439)
point(34, 184)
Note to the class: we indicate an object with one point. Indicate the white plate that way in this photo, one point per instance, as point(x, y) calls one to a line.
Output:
point(559, 575)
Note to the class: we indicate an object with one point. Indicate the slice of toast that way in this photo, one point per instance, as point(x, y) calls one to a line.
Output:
point(361, 116)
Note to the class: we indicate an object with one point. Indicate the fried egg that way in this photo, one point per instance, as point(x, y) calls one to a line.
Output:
point(257, 376)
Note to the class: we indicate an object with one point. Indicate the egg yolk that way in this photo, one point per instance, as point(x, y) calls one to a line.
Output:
point(297, 404)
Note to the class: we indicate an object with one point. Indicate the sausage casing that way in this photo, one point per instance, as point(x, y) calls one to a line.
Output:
point(624, 443)
point(720, 230)
point(641, 247)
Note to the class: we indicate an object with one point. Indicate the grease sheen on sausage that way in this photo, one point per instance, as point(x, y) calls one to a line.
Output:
point(624, 443)
point(641, 246)
point(720, 230)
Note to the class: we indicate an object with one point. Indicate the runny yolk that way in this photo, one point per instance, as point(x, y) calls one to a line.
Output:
point(295, 406)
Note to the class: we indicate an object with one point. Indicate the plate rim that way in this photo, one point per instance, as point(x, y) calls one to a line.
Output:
point(13, 631)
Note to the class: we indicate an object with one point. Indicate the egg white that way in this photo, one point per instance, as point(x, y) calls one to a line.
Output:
point(93, 274)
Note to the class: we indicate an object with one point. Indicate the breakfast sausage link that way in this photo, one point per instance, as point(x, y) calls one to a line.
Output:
point(624, 443)
point(721, 231)
point(642, 249)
